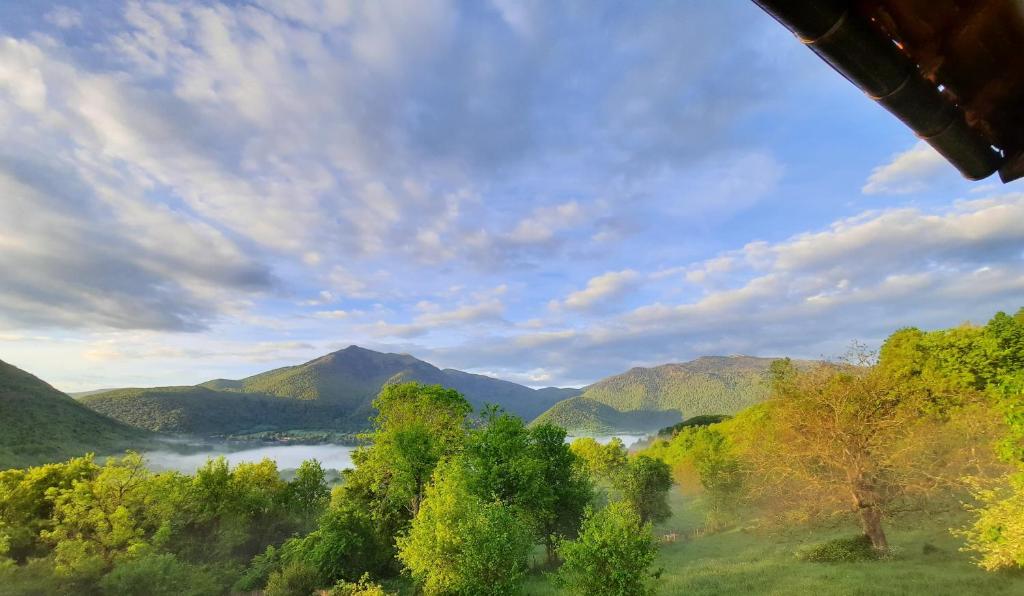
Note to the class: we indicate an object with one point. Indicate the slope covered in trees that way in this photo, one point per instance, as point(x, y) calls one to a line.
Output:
point(334, 392)
point(664, 395)
point(40, 424)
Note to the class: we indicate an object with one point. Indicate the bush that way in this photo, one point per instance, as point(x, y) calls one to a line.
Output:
point(158, 575)
point(611, 557)
point(363, 587)
point(998, 532)
point(840, 550)
point(297, 579)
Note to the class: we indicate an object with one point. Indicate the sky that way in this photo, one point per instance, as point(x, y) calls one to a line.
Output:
point(547, 192)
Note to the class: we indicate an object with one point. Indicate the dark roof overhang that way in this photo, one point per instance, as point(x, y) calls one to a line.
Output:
point(951, 70)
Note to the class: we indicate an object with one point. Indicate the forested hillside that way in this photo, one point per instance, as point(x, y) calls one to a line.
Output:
point(333, 392)
point(39, 424)
point(667, 394)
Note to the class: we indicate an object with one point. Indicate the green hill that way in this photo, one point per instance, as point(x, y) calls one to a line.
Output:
point(39, 424)
point(333, 392)
point(664, 395)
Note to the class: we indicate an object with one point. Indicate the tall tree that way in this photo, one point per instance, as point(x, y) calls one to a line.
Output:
point(644, 483)
point(612, 556)
point(416, 426)
point(462, 544)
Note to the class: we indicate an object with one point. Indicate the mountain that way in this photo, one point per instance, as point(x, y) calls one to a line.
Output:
point(332, 392)
point(645, 399)
point(39, 424)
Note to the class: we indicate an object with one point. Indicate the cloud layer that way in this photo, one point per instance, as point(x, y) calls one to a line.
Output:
point(550, 191)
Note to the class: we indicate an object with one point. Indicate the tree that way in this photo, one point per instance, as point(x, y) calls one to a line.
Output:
point(308, 492)
point(612, 556)
point(415, 427)
point(644, 483)
point(344, 546)
point(852, 436)
point(531, 470)
point(603, 461)
point(459, 543)
point(568, 489)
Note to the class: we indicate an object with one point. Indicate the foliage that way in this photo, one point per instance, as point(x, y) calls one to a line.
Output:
point(853, 437)
point(29, 405)
point(344, 546)
point(531, 470)
point(612, 556)
point(644, 483)
point(460, 543)
point(295, 579)
point(363, 587)
point(840, 550)
point(160, 575)
point(416, 426)
point(947, 365)
point(997, 534)
point(704, 460)
point(696, 421)
point(601, 461)
point(664, 394)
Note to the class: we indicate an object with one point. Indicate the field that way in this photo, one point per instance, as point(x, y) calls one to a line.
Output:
point(754, 563)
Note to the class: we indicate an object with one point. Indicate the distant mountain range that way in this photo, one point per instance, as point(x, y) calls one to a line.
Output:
point(39, 424)
point(644, 399)
point(333, 392)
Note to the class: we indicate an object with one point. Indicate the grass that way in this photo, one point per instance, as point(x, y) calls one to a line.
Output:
point(926, 560)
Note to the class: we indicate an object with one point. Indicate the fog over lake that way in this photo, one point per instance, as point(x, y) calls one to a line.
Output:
point(330, 455)
point(627, 439)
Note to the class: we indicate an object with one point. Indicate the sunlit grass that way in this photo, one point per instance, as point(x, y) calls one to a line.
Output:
point(753, 563)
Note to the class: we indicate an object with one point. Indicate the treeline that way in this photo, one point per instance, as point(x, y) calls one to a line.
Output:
point(935, 420)
point(452, 502)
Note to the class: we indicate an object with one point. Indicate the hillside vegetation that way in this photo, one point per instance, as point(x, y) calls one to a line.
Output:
point(39, 424)
point(333, 392)
point(652, 398)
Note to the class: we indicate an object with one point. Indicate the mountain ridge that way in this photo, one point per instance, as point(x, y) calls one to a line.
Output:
point(648, 398)
point(39, 424)
point(333, 391)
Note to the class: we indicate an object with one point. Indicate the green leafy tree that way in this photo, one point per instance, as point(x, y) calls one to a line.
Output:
point(612, 556)
point(415, 427)
point(644, 483)
point(531, 470)
point(603, 461)
point(462, 544)
point(344, 546)
point(567, 489)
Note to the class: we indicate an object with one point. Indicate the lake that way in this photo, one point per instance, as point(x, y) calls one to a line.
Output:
point(331, 456)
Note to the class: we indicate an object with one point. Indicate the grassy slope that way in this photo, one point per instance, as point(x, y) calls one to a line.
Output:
point(39, 424)
point(745, 563)
point(709, 385)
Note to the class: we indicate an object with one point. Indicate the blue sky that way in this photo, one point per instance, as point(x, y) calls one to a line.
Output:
point(546, 192)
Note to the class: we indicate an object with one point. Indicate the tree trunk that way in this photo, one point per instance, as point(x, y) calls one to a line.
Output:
point(871, 521)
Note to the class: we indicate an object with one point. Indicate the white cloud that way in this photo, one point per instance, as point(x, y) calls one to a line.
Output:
point(600, 289)
point(912, 171)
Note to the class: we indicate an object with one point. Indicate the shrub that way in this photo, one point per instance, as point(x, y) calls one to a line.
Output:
point(611, 557)
point(363, 587)
point(998, 532)
point(296, 579)
point(158, 575)
point(840, 550)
